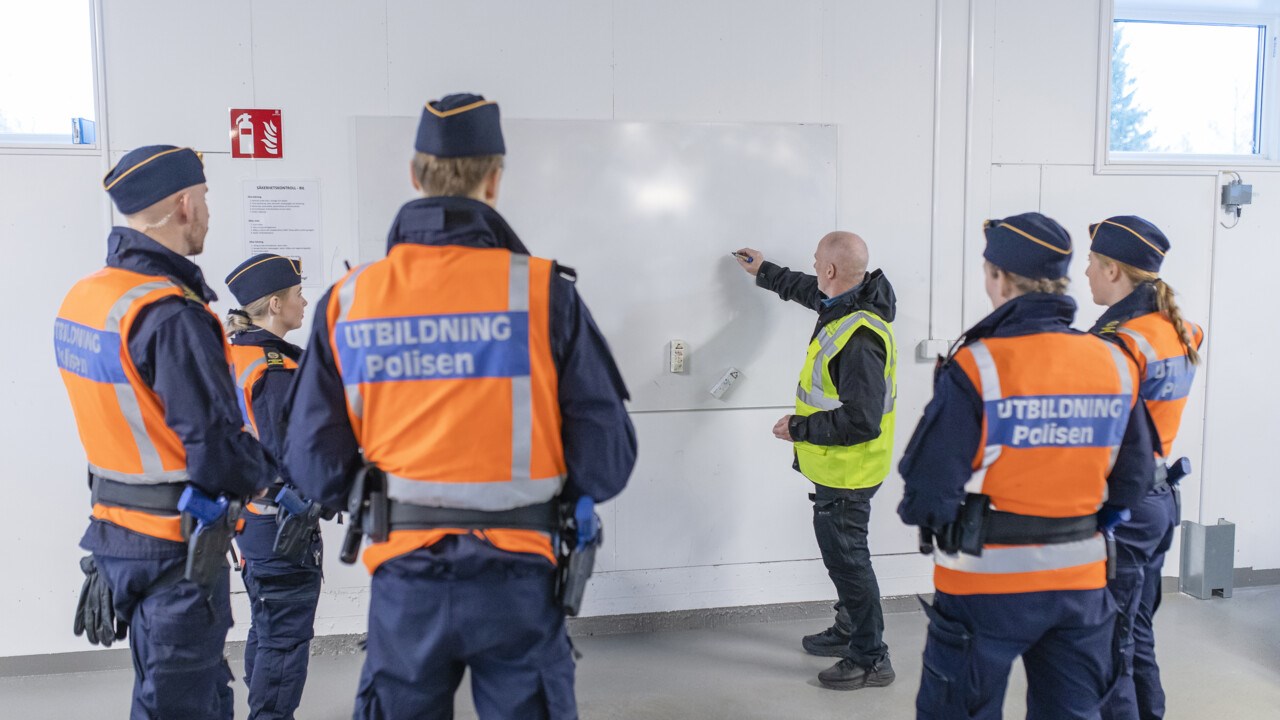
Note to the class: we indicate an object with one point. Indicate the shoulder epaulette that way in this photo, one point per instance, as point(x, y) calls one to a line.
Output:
point(565, 271)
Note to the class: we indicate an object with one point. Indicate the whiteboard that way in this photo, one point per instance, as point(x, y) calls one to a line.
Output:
point(647, 214)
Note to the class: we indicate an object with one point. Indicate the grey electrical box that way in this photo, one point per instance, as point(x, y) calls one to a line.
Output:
point(1237, 193)
point(1208, 559)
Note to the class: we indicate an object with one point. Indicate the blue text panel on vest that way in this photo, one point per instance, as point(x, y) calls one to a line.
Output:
point(1168, 379)
point(89, 353)
point(1031, 421)
point(434, 347)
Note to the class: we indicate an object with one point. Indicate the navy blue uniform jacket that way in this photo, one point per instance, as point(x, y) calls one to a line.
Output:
point(271, 391)
point(321, 451)
point(177, 347)
point(939, 459)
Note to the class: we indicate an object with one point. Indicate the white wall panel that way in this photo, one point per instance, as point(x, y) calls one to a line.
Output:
point(1046, 64)
point(53, 231)
point(539, 58)
point(174, 69)
point(721, 60)
point(1242, 423)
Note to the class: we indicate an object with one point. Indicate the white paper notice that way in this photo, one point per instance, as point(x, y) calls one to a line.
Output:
point(283, 217)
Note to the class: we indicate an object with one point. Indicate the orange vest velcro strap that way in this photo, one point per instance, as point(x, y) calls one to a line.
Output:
point(1023, 568)
point(403, 542)
point(485, 496)
point(165, 527)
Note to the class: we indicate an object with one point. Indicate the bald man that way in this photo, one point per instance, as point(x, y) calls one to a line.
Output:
point(842, 433)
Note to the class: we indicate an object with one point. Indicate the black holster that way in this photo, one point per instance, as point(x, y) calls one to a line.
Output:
point(208, 545)
point(575, 563)
point(295, 533)
point(367, 512)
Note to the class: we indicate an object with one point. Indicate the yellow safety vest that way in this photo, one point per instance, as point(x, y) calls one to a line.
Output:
point(845, 466)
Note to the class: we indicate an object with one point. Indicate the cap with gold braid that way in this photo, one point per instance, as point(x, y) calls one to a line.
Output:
point(261, 275)
point(145, 176)
point(460, 125)
point(1131, 240)
point(1030, 245)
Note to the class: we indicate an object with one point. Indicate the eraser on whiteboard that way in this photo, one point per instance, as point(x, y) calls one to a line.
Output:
point(725, 382)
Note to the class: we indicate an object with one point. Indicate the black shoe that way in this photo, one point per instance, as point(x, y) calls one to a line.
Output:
point(828, 643)
point(849, 675)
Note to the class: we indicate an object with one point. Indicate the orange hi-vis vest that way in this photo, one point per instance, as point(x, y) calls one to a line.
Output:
point(1055, 410)
point(248, 364)
point(1165, 369)
point(451, 388)
point(119, 417)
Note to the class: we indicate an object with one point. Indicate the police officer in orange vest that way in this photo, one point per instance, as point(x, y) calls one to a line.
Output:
point(1032, 428)
point(146, 367)
point(1142, 315)
point(473, 377)
point(283, 582)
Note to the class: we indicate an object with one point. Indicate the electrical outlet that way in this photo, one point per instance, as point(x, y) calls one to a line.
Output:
point(678, 351)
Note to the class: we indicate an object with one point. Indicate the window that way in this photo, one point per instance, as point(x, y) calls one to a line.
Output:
point(47, 75)
point(1191, 82)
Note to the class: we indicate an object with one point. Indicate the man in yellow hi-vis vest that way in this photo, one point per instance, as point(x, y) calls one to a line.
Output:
point(843, 434)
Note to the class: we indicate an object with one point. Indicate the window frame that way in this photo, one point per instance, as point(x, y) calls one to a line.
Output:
point(98, 147)
point(1127, 162)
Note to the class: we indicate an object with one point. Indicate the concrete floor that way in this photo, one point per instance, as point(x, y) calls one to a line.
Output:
point(1220, 659)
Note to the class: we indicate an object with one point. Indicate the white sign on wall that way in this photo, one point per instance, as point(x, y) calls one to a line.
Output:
point(283, 217)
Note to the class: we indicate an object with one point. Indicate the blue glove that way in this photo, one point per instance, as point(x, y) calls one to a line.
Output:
point(584, 516)
point(1110, 516)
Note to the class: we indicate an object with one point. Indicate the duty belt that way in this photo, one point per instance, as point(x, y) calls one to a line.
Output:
point(159, 499)
point(405, 516)
point(266, 505)
point(1004, 528)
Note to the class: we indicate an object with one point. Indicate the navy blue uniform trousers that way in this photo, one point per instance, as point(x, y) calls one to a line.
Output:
point(458, 604)
point(1141, 545)
point(1065, 639)
point(283, 595)
point(176, 638)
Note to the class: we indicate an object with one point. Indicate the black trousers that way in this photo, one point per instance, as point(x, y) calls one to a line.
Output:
point(840, 519)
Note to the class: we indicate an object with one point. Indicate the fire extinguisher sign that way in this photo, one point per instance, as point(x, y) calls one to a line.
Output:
point(256, 133)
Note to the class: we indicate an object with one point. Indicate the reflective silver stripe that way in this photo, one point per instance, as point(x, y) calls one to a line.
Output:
point(1126, 389)
point(496, 495)
point(159, 478)
point(1144, 346)
point(989, 376)
point(242, 382)
point(127, 397)
point(891, 382)
point(346, 296)
point(121, 306)
point(521, 387)
point(828, 346)
point(264, 509)
point(817, 399)
point(1026, 558)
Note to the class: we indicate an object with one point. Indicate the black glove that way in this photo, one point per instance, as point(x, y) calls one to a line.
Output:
point(95, 613)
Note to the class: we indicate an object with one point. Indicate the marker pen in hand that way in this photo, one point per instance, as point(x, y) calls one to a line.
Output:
point(743, 257)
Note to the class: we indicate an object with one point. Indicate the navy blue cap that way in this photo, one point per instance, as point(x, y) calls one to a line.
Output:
point(460, 126)
point(261, 275)
point(1030, 245)
point(1131, 240)
point(150, 174)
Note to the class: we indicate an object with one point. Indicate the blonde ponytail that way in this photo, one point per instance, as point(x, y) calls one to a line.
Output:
point(242, 319)
point(1164, 302)
point(1169, 308)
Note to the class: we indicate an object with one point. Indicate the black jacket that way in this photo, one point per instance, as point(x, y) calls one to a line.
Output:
point(858, 369)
